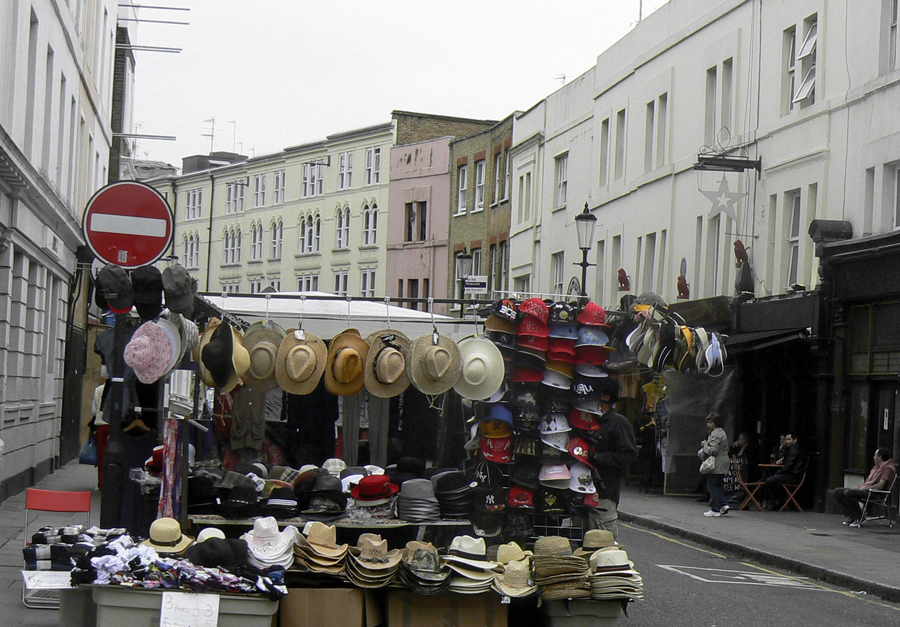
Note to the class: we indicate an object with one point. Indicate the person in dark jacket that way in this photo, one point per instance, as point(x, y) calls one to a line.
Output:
point(791, 471)
point(613, 451)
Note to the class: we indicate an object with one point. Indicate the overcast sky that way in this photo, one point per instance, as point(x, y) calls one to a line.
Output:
point(287, 72)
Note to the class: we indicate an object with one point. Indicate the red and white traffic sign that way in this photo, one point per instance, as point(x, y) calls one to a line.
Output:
point(128, 224)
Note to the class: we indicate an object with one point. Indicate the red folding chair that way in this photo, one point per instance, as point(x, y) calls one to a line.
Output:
point(791, 490)
point(750, 488)
point(51, 501)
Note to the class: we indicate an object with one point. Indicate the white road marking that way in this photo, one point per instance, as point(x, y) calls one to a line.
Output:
point(743, 577)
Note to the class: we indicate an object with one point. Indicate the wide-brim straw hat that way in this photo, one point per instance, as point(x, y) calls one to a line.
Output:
point(300, 362)
point(435, 365)
point(262, 341)
point(345, 368)
point(323, 540)
point(386, 363)
point(481, 369)
point(166, 536)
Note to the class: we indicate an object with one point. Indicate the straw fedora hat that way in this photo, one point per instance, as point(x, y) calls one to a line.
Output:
point(205, 337)
point(166, 536)
point(481, 369)
point(262, 341)
point(385, 373)
point(345, 368)
point(435, 365)
point(300, 362)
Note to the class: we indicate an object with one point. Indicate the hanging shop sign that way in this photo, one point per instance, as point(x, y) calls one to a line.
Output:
point(128, 224)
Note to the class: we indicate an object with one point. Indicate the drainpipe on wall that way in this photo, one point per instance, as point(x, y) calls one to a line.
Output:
point(212, 196)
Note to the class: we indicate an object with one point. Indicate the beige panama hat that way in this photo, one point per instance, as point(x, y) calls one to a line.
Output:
point(345, 368)
point(262, 341)
point(385, 373)
point(435, 365)
point(300, 362)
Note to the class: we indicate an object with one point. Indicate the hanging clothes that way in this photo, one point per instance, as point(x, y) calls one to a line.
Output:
point(379, 427)
point(248, 419)
point(351, 408)
point(310, 429)
point(170, 493)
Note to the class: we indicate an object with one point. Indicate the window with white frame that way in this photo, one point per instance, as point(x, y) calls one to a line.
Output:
point(236, 244)
point(557, 272)
point(492, 269)
point(232, 247)
point(308, 283)
point(340, 282)
point(229, 198)
point(503, 262)
point(461, 185)
point(367, 282)
point(892, 35)
point(524, 203)
point(604, 153)
point(479, 185)
point(562, 166)
point(301, 239)
point(277, 239)
point(259, 190)
point(507, 177)
point(370, 225)
point(316, 233)
point(256, 242)
point(793, 239)
point(789, 54)
point(522, 284)
point(191, 251)
point(476, 261)
point(226, 257)
point(256, 286)
point(275, 283)
point(373, 165)
point(313, 183)
point(806, 57)
point(495, 193)
point(230, 287)
point(345, 170)
point(192, 204)
point(416, 221)
point(342, 231)
point(279, 187)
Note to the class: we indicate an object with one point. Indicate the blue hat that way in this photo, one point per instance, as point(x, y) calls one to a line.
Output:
point(500, 411)
point(591, 336)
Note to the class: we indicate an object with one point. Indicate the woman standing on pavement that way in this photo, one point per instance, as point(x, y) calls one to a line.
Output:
point(716, 446)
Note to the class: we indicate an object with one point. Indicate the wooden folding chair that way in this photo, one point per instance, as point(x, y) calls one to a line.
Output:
point(880, 499)
point(750, 488)
point(791, 490)
point(50, 501)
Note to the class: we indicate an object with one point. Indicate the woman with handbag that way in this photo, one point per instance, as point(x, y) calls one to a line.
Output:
point(714, 455)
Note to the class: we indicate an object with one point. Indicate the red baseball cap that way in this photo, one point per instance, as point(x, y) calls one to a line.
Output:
point(583, 420)
point(533, 326)
point(537, 308)
point(520, 496)
point(592, 355)
point(498, 450)
point(533, 341)
point(593, 315)
point(524, 374)
point(580, 450)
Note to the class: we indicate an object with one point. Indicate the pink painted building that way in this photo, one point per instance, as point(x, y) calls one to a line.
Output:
point(419, 222)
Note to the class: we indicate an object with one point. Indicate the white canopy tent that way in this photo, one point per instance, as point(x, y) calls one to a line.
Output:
point(326, 316)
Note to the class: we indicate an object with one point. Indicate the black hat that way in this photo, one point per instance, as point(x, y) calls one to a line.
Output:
point(217, 355)
point(562, 312)
point(241, 502)
point(491, 499)
point(526, 474)
point(116, 288)
point(551, 501)
point(410, 464)
point(488, 473)
point(453, 483)
point(486, 525)
point(518, 524)
point(180, 289)
point(148, 288)
point(218, 553)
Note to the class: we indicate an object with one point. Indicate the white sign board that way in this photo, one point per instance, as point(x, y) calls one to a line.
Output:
point(476, 284)
point(189, 609)
point(47, 579)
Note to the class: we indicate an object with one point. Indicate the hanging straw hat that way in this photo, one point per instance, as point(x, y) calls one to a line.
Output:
point(345, 368)
point(481, 369)
point(300, 362)
point(435, 365)
point(385, 373)
point(262, 341)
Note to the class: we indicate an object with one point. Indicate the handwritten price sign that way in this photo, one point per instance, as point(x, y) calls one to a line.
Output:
point(189, 609)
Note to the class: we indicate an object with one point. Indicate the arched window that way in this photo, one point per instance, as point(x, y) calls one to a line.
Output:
point(317, 236)
point(277, 232)
point(236, 246)
point(226, 257)
point(256, 243)
point(370, 225)
point(301, 246)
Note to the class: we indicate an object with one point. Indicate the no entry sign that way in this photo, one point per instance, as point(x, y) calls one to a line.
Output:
point(128, 224)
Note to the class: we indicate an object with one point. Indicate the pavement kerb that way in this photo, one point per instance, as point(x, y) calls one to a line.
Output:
point(844, 580)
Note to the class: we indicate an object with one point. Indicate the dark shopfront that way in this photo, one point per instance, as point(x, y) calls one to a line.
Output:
point(863, 276)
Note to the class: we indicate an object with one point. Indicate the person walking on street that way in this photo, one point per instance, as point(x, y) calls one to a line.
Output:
point(715, 446)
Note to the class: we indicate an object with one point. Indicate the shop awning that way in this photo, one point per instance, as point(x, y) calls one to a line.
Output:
point(740, 342)
point(327, 316)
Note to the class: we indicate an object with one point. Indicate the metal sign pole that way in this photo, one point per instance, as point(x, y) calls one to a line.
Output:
point(113, 479)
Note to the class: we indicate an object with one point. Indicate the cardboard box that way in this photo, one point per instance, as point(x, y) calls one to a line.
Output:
point(408, 609)
point(331, 607)
point(581, 613)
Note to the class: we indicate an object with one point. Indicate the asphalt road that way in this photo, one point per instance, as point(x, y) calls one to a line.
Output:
point(685, 584)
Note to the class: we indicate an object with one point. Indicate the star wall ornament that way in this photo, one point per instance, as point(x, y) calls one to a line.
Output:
point(723, 200)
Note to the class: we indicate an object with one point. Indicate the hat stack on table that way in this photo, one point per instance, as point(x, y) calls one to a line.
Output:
point(268, 546)
point(513, 577)
point(370, 564)
point(421, 569)
point(454, 492)
point(613, 576)
point(559, 573)
point(376, 495)
point(417, 502)
point(319, 552)
point(327, 500)
point(472, 572)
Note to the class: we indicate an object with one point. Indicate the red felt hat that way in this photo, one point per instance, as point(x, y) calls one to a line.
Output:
point(374, 487)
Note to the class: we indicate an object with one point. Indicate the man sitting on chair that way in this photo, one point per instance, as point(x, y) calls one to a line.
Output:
point(880, 478)
point(791, 472)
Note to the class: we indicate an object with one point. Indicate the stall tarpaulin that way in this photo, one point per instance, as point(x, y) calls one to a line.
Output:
point(326, 316)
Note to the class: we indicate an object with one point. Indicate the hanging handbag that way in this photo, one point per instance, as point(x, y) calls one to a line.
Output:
point(708, 465)
point(89, 454)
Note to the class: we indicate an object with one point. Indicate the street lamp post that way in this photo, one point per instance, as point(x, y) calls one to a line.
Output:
point(585, 222)
point(463, 271)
